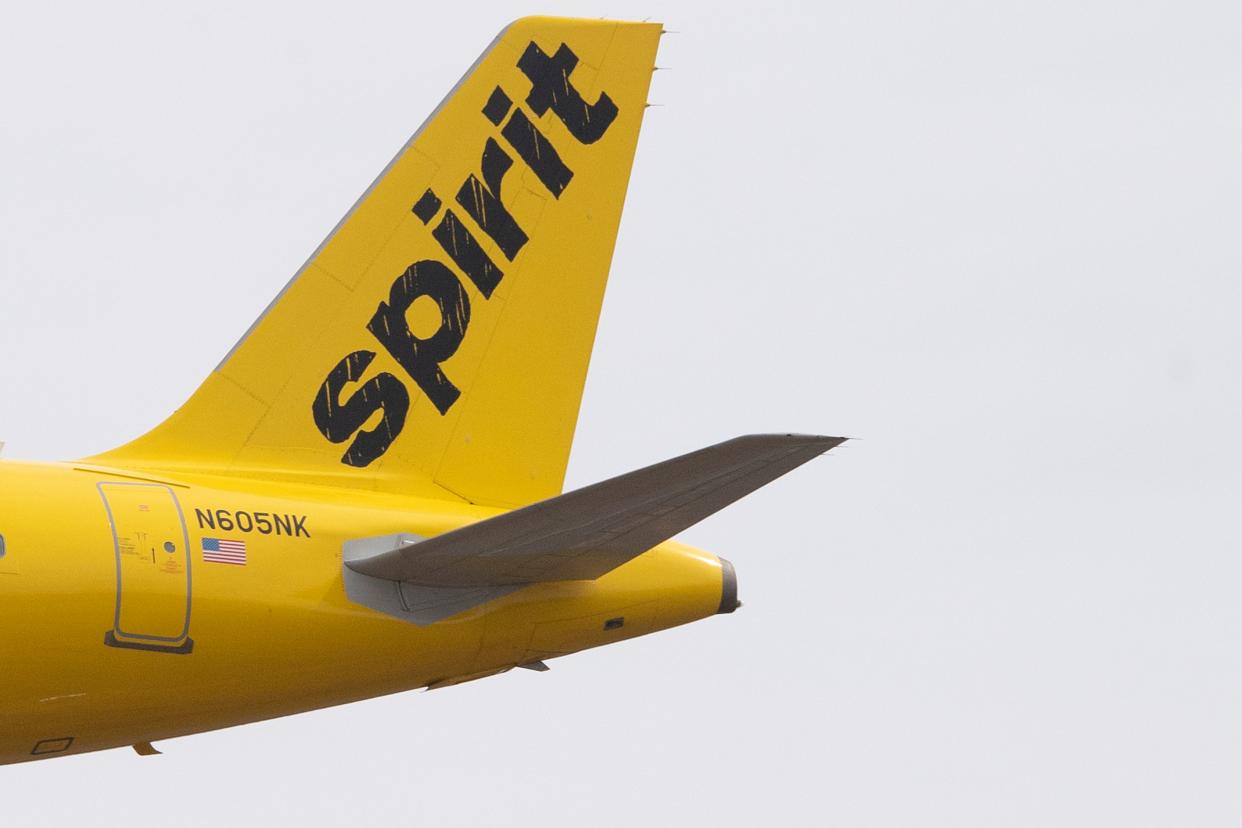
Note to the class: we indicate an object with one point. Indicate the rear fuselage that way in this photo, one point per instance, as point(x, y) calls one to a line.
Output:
point(135, 608)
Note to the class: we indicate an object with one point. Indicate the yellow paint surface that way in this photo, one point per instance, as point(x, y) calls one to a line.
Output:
point(272, 637)
point(119, 631)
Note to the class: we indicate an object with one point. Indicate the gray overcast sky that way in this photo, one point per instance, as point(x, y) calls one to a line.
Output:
point(999, 241)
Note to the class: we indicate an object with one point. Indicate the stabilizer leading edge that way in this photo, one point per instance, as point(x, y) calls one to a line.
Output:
point(579, 535)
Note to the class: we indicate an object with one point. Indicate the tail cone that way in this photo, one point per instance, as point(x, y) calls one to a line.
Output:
point(728, 589)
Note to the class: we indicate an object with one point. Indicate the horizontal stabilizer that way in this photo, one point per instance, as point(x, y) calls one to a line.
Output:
point(585, 533)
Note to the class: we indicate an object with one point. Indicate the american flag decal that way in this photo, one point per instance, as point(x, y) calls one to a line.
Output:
point(216, 550)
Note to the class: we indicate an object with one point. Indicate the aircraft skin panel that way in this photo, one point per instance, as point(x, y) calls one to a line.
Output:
point(153, 572)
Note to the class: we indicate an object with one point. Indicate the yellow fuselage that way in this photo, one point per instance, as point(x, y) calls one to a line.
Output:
point(115, 630)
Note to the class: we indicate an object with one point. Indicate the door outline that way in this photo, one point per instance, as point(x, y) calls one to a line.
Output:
point(181, 643)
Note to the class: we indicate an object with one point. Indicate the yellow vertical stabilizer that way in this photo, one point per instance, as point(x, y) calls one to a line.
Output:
point(441, 334)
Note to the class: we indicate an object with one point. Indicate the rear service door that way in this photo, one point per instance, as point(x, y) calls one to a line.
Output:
point(151, 546)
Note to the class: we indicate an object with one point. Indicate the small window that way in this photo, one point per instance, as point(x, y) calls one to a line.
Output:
point(614, 623)
point(1, 546)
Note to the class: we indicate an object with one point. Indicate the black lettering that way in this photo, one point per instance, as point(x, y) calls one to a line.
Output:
point(299, 525)
point(421, 358)
point(263, 522)
point(481, 199)
point(426, 207)
point(225, 522)
point(339, 421)
point(283, 523)
point(466, 252)
point(497, 106)
point(538, 153)
point(550, 88)
point(205, 520)
point(248, 525)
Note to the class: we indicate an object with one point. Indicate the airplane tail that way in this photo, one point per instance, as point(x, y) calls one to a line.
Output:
point(441, 333)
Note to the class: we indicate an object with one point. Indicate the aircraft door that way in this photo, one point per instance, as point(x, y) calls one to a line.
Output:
point(151, 549)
